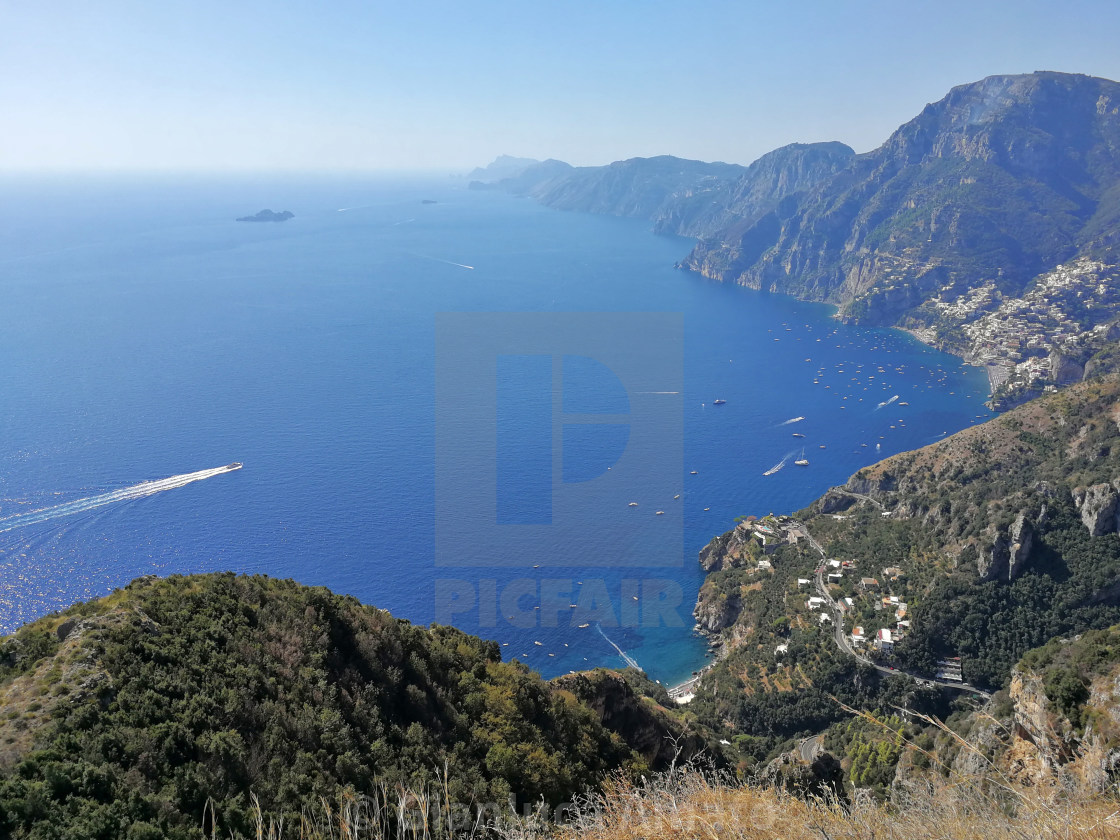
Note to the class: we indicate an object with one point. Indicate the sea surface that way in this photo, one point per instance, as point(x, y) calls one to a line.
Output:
point(145, 335)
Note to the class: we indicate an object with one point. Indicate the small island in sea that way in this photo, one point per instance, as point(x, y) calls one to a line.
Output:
point(269, 216)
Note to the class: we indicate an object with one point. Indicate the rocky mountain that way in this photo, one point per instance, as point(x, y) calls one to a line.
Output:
point(987, 225)
point(527, 180)
point(758, 196)
point(139, 714)
point(1005, 185)
point(1057, 724)
point(1001, 180)
point(681, 197)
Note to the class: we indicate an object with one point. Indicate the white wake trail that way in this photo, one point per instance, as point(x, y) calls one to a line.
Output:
point(136, 491)
point(445, 262)
point(885, 403)
point(627, 658)
point(781, 463)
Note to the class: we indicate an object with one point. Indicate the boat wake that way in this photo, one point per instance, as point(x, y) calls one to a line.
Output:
point(885, 403)
point(792, 420)
point(136, 491)
point(627, 658)
point(445, 262)
point(781, 463)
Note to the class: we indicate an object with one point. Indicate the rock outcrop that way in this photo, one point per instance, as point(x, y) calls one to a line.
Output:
point(1065, 369)
point(1097, 506)
point(1009, 552)
point(865, 485)
point(727, 551)
point(715, 610)
point(834, 501)
point(820, 777)
point(1021, 538)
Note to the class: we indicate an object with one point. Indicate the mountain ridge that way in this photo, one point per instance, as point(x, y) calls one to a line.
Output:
point(998, 187)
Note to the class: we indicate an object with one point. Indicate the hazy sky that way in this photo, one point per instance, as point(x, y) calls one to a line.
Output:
point(336, 84)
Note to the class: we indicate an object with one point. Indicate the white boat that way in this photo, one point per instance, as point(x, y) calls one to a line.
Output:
point(802, 461)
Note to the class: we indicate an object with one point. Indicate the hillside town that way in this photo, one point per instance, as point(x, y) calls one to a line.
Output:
point(1039, 341)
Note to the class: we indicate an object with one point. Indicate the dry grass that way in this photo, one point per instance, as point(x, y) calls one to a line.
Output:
point(687, 803)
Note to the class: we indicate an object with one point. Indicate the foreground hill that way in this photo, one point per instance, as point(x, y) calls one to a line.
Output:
point(125, 716)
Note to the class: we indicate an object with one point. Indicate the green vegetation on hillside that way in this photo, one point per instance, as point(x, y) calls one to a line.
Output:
point(126, 716)
point(988, 544)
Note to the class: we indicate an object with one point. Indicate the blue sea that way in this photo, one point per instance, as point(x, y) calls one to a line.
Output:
point(342, 357)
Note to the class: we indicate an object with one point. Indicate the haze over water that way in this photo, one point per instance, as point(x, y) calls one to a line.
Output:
point(145, 335)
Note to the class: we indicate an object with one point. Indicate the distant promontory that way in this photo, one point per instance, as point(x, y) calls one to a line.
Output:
point(269, 216)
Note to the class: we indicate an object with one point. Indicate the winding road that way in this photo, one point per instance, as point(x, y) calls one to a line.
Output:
point(845, 644)
point(838, 635)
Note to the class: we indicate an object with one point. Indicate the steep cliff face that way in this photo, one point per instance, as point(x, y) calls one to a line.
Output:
point(716, 609)
point(1009, 551)
point(1064, 721)
point(1002, 179)
point(1056, 725)
point(682, 197)
point(1097, 506)
point(731, 550)
point(768, 188)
